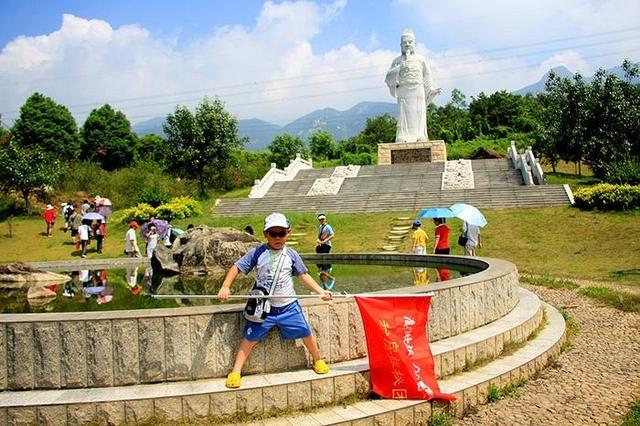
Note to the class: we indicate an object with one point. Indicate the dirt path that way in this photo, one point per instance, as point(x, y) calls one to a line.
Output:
point(592, 383)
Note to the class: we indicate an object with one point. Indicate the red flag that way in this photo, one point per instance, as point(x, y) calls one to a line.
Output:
point(400, 360)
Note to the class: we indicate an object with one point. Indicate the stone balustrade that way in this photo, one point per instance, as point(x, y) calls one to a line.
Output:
point(98, 349)
point(262, 186)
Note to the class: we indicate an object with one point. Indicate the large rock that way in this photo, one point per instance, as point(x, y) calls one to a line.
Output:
point(204, 250)
point(17, 275)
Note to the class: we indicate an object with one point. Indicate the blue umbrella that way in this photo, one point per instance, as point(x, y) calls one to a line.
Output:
point(434, 212)
point(469, 214)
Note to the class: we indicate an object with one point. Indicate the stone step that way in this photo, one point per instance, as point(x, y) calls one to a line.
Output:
point(519, 197)
point(471, 388)
point(487, 173)
point(260, 393)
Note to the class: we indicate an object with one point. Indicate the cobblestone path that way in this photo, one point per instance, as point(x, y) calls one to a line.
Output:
point(592, 383)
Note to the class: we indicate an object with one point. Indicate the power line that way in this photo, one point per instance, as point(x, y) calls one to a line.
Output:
point(445, 57)
point(342, 80)
point(378, 87)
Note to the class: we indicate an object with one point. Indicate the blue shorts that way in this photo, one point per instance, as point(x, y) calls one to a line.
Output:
point(289, 319)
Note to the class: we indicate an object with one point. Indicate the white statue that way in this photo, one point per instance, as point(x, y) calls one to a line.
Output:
point(409, 80)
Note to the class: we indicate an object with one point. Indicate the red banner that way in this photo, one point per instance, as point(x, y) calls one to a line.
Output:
point(400, 360)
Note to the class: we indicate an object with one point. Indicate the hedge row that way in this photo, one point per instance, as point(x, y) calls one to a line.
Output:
point(176, 208)
point(607, 197)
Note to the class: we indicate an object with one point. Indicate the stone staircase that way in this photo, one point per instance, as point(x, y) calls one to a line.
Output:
point(401, 187)
point(468, 365)
point(486, 333)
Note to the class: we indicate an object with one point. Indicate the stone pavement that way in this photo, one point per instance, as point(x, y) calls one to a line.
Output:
point(593, 382)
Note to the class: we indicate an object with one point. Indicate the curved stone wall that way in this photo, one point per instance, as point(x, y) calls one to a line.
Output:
point(95, 349)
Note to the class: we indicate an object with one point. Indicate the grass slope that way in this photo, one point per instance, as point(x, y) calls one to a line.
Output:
point(549, 241)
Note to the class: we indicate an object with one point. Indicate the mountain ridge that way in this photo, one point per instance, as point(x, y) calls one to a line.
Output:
point(341, 124)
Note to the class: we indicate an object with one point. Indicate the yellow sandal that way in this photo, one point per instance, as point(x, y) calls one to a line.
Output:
point(233, 380)
point(320, 367)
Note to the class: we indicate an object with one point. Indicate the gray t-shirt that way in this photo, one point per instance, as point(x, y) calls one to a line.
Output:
point(264, 261)
point(473, 234)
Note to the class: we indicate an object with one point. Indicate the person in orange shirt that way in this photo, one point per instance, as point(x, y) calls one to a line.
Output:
point(49, 216)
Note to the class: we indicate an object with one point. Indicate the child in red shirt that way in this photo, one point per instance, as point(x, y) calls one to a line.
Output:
point(49, 216)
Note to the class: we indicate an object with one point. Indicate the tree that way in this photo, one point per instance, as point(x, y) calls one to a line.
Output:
point(47, 125)
point(4, 134)
point(594, 123)
point(108, 138)
point(451, 122)
point(611, 125)
point(200, 144)
point(381, 129)
point(285, 147)
point(26, 170)
point(322, 145)
point(152, 148)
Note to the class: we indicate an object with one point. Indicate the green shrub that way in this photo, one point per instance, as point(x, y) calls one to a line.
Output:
point(607, 197)
point(627, 172)
point(154, 195)
point(11, 206)
point(124, 186)
point(141, 212)
point(361, 159)
point(468, 149)
point(176, 208)
point(179, 208)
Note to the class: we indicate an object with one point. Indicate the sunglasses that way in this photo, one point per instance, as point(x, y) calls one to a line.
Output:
point(277, 234)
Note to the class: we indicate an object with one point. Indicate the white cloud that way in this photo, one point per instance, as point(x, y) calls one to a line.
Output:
point(515, 43)
point(89, 62)
point(270, 70)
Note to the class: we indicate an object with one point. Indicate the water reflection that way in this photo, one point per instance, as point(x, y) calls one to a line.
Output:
point(420, 276)
point(131, 287)
point(444, 274)
point(327, 279)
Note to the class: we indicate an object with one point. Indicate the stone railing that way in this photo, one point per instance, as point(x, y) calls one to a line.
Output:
point(528, 165)
point(97, 349)
point(262, 186)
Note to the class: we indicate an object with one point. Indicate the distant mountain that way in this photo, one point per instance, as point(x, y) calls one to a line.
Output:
point(562, 71)
point(341, 124)
point(259, 132)
point(146, 127)
point(539, 86)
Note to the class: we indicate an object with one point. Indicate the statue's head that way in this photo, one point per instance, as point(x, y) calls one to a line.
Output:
point(408, 41)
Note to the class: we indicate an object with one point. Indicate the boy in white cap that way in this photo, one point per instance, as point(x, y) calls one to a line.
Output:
point(275, 260)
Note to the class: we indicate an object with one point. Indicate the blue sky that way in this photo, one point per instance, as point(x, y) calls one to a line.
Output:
point(278, 60)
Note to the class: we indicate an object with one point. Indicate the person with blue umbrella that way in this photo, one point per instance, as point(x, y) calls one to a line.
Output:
point(472, 233)
point(473, 220)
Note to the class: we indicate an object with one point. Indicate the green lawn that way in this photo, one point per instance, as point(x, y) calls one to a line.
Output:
point(561, 242)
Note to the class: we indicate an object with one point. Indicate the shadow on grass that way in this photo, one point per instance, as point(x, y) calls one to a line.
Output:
point(625, 273)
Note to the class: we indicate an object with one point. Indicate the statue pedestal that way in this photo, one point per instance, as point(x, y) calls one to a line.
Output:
point(411, 152)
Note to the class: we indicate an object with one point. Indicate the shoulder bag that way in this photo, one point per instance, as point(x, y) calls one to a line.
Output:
point(257, 309)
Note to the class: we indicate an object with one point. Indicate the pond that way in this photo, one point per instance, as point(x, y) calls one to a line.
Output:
point(131, 288)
